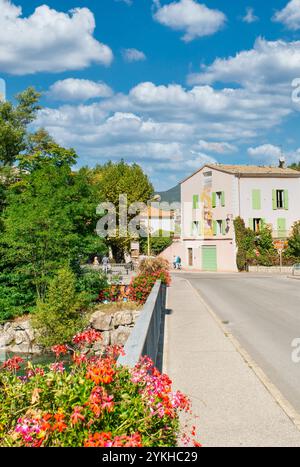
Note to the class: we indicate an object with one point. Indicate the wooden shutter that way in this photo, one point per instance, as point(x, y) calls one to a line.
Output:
point(215, 227)
point(286, 199)
point(223, 198)
point(214, 199)
point(256, 199)
point(274, 199)
point(224, 227)
point(195, 202)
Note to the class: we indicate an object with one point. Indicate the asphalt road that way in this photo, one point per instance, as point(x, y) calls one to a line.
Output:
point(263, 313)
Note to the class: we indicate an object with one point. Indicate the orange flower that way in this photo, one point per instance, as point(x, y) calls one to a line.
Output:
point(102, 373)
point(77, 415)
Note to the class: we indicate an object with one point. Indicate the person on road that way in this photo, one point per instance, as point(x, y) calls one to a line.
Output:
point(178, 262)
point(105, 262)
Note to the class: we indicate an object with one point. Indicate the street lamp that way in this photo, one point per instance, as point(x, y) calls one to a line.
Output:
point(152, 200)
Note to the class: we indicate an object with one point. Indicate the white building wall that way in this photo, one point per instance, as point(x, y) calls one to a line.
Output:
point(266, 185)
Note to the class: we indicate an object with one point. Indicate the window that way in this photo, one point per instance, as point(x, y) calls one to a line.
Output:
point(280, 199)
point(195, 229)
point(218, 199)
point(219, 227)
point(257, 224)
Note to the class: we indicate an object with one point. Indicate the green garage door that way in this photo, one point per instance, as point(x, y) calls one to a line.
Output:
point(209, 258)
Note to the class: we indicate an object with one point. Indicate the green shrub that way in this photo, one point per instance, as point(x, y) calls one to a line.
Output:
point(91, 283)
point(60, 316)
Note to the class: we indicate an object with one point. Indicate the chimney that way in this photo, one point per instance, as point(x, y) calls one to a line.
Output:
point(281, 162)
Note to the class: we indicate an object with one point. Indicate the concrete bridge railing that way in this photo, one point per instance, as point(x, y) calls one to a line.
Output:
point(146, 335)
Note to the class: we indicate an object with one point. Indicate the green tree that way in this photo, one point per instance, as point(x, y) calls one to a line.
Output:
point(295, 166)
point(294, 242)
point(159, 241)
point(49, 222)
point(245, 239)
point(60, 315)
point(14, 120)
point(115, 179)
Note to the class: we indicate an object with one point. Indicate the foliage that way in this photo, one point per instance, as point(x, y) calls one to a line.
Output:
point(150, 265)
point(13, 124)
point(48, 223)
point(295, 166)
point(115, 179)
point(114, 293)
point(159, 241)
point(60, 316)
point(96, 403)
point(91, 282)
point(141, 285)
point(245, 239)
point(294, 242)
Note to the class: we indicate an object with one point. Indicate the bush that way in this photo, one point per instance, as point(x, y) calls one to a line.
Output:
point(141, 285)
point(95, 403)
point(91, 282)
point(150, 265)
point(294, 242)
point(159, 241)
point(60, 316)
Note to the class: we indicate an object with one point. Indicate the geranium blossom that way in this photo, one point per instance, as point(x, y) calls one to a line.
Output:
point(13, 364)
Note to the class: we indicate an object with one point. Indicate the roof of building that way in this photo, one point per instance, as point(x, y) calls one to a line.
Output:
point(251, 171)
point(156, 213)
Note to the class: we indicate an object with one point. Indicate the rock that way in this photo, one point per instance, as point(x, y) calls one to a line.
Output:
point(101, 321)
point(24, 347)
point(122, 318)
point(6, 339)
point(99, 345)
point(119, 336)
point(7, 326)
point(21, 336)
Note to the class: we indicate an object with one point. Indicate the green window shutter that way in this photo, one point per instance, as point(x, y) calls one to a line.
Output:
point(263, 223)
point(251, 224)
point(195, 202)
point(274, 199)
point(223, 198)
point(214, 199)
point(224, 227)
point(215, 227)
point(281, 226)
point(286, 199)
point(256, 199)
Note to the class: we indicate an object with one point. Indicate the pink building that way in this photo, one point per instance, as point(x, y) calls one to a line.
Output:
point(215, 195)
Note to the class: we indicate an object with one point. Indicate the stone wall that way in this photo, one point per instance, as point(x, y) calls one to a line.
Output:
point(19, 337)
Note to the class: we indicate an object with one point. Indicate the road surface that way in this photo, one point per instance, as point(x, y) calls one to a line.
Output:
point(263, 313)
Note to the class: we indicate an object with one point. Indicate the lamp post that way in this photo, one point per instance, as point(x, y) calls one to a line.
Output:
point(152, 200)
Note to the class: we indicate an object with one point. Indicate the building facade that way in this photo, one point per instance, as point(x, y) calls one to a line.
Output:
point(215, 195)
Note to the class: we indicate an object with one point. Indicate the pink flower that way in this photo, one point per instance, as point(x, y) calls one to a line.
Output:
point(57, 367)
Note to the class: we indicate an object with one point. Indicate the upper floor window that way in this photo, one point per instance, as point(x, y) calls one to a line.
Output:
point(280, 199)
point(218, 199)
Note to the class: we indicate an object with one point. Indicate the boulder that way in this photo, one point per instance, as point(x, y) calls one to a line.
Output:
point(122, 318)
point(119, 336)
point(21, 336)
point(101, 321)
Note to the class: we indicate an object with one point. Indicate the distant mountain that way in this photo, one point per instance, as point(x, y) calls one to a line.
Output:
point(172, 195)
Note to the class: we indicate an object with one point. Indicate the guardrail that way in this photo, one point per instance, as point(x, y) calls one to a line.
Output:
point(146, 334)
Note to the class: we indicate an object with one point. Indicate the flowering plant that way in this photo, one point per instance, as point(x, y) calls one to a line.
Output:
point(141, 285)
point(90, 401)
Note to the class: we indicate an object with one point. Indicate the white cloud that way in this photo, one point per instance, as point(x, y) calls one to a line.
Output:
point(217, 147)
point(270, 154)
point(290, 15)
point(48, 40)
point(268, 63)
point(133, 55)
point(250, 17)
point(72, 89)
point(128, 2)
point(195, 19)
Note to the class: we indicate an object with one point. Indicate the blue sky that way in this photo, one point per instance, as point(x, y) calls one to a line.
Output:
point(168, 84)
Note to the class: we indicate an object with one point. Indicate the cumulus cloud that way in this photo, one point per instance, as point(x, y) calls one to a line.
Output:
point(72, 89)
point(195, 19)
point(133, 55)
point(268, 63)
point(217, 147)
point(290, 15)
point(270, 154)
point(250, 17)
point(48, 40)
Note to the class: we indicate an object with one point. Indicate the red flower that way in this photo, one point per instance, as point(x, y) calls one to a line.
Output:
point(59, 350)
point(60, 425)
point(12, 363)
point(77, 415)
point(87, 337)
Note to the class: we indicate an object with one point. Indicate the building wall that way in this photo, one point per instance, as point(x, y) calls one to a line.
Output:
point(200, 185)
point(266, 185)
